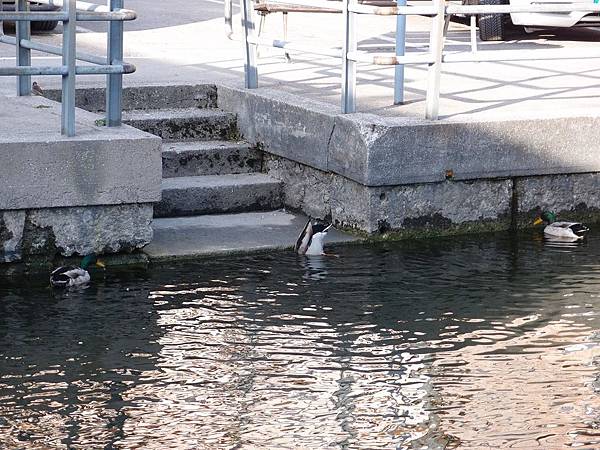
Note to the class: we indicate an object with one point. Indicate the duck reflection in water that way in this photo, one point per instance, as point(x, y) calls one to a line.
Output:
point(315, 267)
point(557, 243)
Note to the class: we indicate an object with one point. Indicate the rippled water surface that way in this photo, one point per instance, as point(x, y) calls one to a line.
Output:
point(487, 342)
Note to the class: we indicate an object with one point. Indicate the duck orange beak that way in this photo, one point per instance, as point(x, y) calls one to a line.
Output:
point(100, 264)
point(538, 221)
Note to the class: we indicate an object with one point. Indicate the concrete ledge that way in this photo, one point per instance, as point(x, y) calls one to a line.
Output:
point(99, 166)
point(217, 194)
point(145, 97)
point(383, 151)
point(284, 124)
point(184, 123)
point(386, 152)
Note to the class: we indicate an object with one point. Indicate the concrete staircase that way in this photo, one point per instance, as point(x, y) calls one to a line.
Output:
point(207, 169)
point(215, 200)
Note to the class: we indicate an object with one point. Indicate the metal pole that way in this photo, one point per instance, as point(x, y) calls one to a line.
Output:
point(251, 71)
point(400, 48)
point(228, 13)
point(348, 66)
point(288, 58)
point(473, 34)
point(114, 82)
point(68, 60)
point(23, 31)
point(436, 46)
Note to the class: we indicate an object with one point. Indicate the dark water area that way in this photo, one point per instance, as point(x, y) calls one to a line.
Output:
point(470, 342)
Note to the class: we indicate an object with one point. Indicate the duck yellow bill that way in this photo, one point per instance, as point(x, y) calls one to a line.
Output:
point(538, 221)
point(100, 264)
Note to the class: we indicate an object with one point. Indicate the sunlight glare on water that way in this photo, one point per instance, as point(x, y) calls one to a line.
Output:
point(481, 342)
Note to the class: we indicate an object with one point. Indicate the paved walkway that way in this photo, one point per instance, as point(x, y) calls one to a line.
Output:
point(190, 46)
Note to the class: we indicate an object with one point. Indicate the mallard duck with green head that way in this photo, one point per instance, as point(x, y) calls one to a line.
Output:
point(67, 276)
point(573, 231)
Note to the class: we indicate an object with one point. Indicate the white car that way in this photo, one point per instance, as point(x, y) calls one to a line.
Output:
point(492, 27)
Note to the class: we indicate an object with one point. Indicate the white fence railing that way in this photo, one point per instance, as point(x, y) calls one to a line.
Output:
point(438, 10)
point(70, 12)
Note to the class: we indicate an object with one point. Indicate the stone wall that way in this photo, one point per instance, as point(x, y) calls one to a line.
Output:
point(414, 176)
point(44, 233)
point(64, 196)
point(448, 207)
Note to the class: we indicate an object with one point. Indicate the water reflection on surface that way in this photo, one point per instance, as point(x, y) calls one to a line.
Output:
point(486, 342)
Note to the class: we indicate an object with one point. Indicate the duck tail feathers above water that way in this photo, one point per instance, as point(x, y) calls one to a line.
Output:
point(303, 241)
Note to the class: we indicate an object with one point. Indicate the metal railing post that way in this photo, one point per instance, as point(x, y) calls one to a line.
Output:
point(400, 49)
point(436, 46)
point(250, 69)
point(114, 82)
point(348, 66)
point(68, 60)
point(228, 14)
point(23, 31)
point(473, 32)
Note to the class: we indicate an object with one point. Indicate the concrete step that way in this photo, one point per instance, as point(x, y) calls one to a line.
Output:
point(213, 194)
point(144, 97)
point(185, 159)
point(188, 237)
point(184, 124)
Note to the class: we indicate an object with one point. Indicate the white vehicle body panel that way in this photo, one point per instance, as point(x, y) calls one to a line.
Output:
point(554, 19)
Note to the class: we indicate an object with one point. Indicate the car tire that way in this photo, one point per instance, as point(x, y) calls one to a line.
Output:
point(45, 25)
point(492, 27)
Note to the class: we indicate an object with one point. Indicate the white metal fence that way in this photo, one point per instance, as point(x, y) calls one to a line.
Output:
point(439, 10)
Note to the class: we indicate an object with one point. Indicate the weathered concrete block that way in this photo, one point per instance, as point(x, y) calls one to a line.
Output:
point(100, 229)
point(184, 124)
point(385, 151)
point(49, 232)
point(187, 159)
point(378, 151)
point(295, 128)
point(39, 168)
point(72, 173)
point(214, 194)
point(443, 207)
point(11, 235)
point(574, 196)
point(321, 194)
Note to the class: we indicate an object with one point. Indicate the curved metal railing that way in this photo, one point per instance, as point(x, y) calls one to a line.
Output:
point(71, 12)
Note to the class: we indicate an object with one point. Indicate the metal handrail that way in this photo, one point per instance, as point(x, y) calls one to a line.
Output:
point(82, 16)
point(438, 10)
point(72, 11)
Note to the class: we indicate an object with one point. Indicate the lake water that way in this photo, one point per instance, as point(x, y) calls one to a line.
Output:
point(474, 342)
